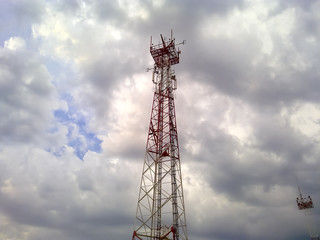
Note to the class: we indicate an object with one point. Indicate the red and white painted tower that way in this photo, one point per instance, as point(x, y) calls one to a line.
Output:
point(306, 204)
point(160, 211)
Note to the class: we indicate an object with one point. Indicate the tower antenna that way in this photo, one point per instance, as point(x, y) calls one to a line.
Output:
point(160, 211)
point(305, 204)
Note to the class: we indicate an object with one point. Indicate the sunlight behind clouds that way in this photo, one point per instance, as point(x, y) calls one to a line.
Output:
point(134, 9)
point(306, 119)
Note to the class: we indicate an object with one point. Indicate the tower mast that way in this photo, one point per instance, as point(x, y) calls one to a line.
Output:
point(160, 211)
point(305, 204)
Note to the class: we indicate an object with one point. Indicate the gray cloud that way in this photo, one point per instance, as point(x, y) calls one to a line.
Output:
point(67, 204)
point(26, 95)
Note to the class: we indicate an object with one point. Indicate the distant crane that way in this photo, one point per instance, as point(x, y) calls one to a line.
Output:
point(160, 211)
point(306, 204)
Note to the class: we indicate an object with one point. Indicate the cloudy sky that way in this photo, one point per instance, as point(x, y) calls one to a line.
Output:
point(75, 103)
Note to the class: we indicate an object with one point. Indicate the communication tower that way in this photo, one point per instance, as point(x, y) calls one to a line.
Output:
point(305, 204)
point(161, 211)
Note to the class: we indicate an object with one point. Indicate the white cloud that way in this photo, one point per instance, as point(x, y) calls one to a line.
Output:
point(15, 43)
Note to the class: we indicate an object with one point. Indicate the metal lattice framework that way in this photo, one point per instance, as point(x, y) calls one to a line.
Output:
point(306, 204)
point(160, 210)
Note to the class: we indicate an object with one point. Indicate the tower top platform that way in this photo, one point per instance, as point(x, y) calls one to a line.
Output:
point(165, 49)
point(304, 202)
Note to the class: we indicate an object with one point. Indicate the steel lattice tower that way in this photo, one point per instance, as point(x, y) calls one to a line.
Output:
point(160, 211)
point(305, 204)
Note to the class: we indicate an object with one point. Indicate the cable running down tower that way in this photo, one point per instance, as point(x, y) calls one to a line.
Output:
point(160, 211)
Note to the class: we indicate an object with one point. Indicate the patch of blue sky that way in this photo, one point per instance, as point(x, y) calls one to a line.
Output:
point(79, 138)
point(56, 152)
